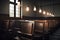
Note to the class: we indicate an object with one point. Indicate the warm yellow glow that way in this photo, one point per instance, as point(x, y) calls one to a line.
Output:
point(34, 9)
point(40, 10)
point(44, 12)
point(27, 8)
point(48, 13)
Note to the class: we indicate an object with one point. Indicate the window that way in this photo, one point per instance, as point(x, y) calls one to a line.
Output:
point(11, 10)
point(16, 1)
point(18, 9)
point(11, 0)
point(14, 8)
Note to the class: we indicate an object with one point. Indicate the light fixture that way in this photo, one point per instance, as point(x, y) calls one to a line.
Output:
point(27, 8)
point(34, 9)
point(44, 12)
point(40, 10)
point(48, 13)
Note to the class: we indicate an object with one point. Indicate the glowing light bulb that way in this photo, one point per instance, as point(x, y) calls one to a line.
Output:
point(48, 13)
point(44, 12)
point(34, 9)
point(40, 10)
point(27, 8)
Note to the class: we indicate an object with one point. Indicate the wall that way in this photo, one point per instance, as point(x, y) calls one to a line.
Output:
point(4, 6)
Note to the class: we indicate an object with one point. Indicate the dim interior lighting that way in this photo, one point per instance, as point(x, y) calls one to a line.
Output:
point(40, 10)
point(34, 9)
point(27, 8)
point(44, 12)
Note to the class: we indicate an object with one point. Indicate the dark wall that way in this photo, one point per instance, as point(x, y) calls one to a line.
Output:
point(4, 6)
point(4, 9)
